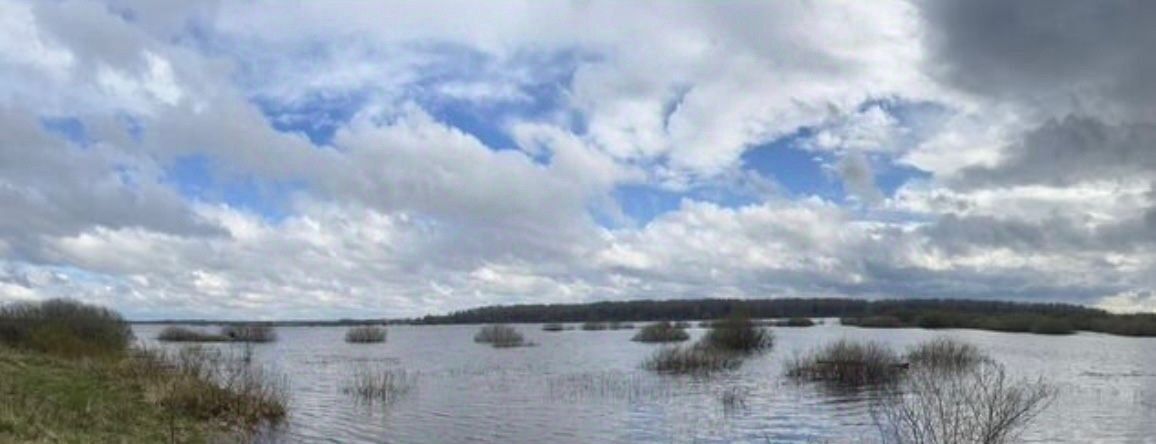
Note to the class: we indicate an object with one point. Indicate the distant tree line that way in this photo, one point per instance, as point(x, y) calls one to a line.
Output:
point(1048, 318)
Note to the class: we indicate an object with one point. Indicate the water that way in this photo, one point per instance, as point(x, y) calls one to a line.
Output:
point(587, 386)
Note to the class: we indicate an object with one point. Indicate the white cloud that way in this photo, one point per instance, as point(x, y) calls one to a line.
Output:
point(407, 210)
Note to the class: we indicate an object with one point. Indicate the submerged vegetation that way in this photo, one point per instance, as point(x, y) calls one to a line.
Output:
point(228, 333)
point(380, 384)
point(738, 333)
point(182, 334)
point(947, 392)
point(69, 374)
point(722, 348)
point(365, 334)
point(661, 332)
point(500, 336)
point(249, 333)
point(692, 359)
point(848, 363)
point(945, 354)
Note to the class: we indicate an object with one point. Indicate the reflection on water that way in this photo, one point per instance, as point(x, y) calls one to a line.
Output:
point(586, 386)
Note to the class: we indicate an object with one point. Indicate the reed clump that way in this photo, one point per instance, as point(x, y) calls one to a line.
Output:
point(183, 334)
point(738, 333)
point(661, 332)
point(211, 384)
point(848, 363)
point(380, 384)
point(946, 354)
point(365, 334)
point(693, 359)
point(249, 333)
point(500, 336)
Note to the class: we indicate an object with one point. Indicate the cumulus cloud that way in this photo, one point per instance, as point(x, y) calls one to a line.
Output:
point(428, 161)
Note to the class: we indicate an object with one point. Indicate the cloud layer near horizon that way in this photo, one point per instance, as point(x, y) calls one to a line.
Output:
point(308, 160)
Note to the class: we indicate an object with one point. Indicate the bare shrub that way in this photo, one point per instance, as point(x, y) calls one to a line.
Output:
point(979, 405)
point(695, 359)
point(500, 336)
point(182, 334)
point(380, 384)
point(661, 332)
point(249, 333)
point(848, 363)
point(945, 353)
point(64, 327)
point(365, 334)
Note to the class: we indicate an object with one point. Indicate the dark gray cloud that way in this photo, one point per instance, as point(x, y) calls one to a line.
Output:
point(1066, 52)
point(1071, 150)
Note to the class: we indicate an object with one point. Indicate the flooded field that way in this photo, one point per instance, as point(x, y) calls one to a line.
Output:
point(588, 386)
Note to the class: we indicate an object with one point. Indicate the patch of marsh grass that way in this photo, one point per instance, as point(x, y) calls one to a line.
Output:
point(694, 359)
point(213, 384)
point(249, 333)
point(365, 334)
point(738, 333)
point(375, 384)
point(848, 363)
point(183, 334)
point(663, 331)
point(500, 336)
point(594, 326)
point(945, 354)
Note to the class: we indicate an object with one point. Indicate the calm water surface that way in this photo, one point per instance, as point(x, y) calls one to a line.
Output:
point(586, 387)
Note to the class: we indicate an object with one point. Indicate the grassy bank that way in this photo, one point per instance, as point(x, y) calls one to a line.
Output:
point(44, 398)
point(68, 374)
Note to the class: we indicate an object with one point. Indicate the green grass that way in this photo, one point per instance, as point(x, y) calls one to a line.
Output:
point(45, 398)
point(68, 374)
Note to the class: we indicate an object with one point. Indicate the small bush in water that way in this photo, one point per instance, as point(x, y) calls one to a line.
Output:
point(366, 334)
point(694, 359)
point(661, 332)
point(945, 354)
point(848, 363)
point(738, 333)
point(182, 334)
point(249, 333)
point(499, 336)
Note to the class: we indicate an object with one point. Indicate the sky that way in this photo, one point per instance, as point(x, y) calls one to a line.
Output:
point(312, 160)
